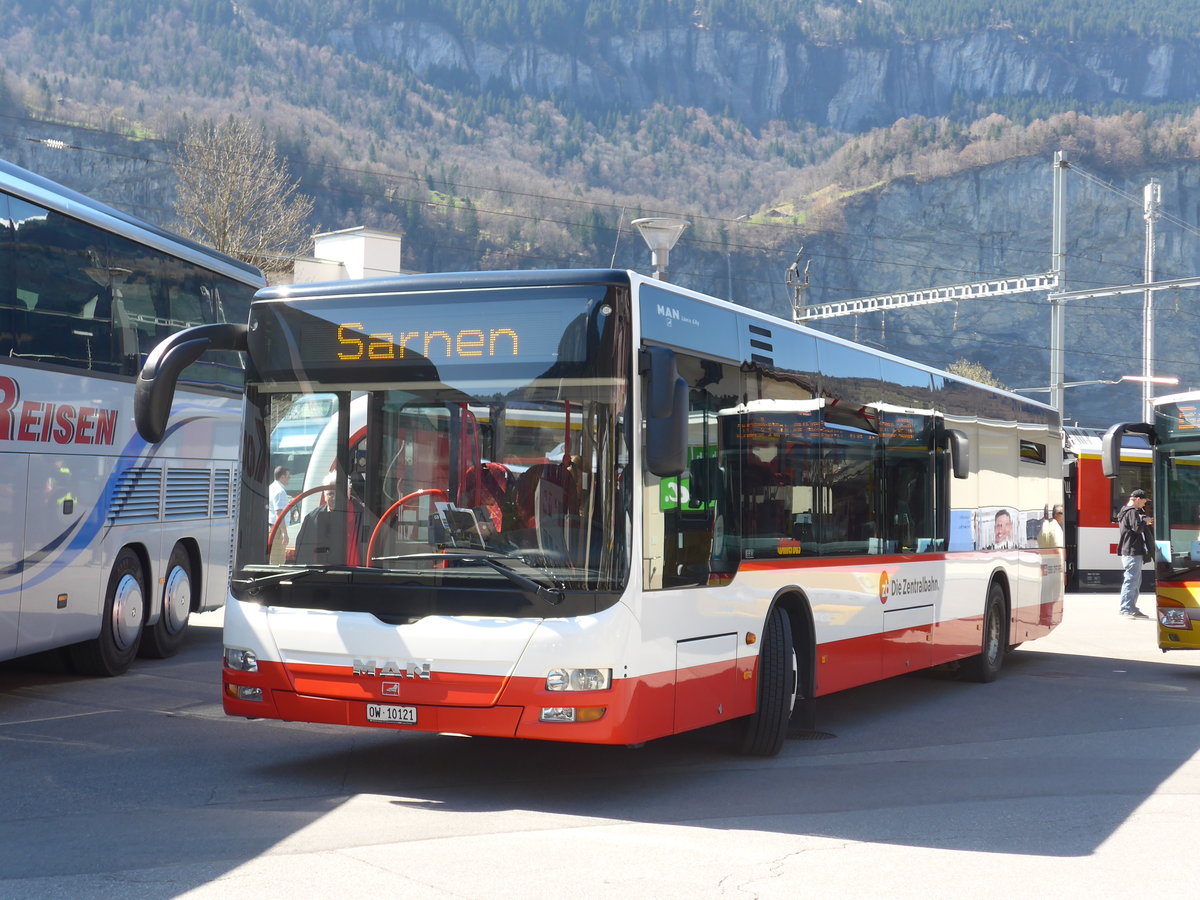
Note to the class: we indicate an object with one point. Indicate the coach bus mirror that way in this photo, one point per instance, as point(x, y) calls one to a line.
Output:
point(1110, 444)
point(666, 413)
point(155, 386)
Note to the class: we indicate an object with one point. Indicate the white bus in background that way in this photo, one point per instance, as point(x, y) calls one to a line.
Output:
point(108, 544)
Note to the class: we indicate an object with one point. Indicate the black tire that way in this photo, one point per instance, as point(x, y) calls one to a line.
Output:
point(994, 644)
point(763, 732)
point(121, 623)
point(164, 638)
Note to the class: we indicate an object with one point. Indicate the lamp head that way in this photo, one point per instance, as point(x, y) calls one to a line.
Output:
point(660, 235)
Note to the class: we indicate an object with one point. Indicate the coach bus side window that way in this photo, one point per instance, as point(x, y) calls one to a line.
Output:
point(137, 325)
point(688, 518)
point(8, 298)
point(62, 276)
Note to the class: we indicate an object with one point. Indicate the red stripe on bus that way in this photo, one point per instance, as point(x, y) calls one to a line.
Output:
point(636, 709)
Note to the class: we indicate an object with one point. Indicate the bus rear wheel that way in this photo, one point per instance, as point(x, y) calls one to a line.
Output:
point(986, 666)
point(121, 623)
point(763, 732)
point(164, 638)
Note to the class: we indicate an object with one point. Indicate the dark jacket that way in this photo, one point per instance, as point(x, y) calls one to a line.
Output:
point(1136, 538)
point(333, 536)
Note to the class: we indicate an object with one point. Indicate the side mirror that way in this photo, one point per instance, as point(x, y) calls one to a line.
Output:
point(1110, 444)
point(959, 446)
point(666, 412)
point(155, 386)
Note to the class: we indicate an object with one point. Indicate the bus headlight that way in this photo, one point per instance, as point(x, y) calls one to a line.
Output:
point(1172, 617)
point(564, 679)
point(241, 660)
point(572, 714)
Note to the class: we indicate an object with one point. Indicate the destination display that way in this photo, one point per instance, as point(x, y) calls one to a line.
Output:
point(427, 336)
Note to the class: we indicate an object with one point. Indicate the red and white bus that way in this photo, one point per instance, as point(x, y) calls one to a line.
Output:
point(1092, 504)
point(585, 505)
point(108, 544)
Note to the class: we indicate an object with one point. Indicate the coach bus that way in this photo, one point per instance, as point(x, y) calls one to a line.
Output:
point(1092, 504)
point(108, 544)
point(1174, 436)
point(718, 517)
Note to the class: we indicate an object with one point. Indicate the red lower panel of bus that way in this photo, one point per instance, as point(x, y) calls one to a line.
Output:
point(632, 711)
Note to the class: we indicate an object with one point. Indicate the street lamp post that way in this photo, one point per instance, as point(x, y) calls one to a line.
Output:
point(660, 235)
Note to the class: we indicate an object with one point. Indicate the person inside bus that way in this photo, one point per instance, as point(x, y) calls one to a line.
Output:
point(334, 533)
point(1135, 546)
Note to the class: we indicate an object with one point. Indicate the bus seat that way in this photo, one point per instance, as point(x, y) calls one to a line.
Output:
point(496, 485)
point(547, 504)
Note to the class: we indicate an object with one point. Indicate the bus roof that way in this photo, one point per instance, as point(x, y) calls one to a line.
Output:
point(516, 278)
point(41, 190)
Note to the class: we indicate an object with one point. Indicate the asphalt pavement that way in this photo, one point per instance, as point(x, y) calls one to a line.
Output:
point(1075, 774)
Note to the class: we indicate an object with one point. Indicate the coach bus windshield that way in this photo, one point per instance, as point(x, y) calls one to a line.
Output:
point(470, 450)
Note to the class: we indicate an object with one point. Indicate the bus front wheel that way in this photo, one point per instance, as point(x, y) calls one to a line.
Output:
point(121, 623)
point(986, 666)
point(763, 732)
point(164, 638)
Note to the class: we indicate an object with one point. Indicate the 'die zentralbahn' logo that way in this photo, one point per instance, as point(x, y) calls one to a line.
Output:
point(884, 583)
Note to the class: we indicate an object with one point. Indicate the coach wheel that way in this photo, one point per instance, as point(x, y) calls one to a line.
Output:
point(986, 666)
point(393, 510)
point(763, 732)
point(121, 624)
point(164, 637)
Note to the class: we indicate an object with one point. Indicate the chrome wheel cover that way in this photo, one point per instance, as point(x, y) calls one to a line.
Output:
point(127, 610)
point(177, 600)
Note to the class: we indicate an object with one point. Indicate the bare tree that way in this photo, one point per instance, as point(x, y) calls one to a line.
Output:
point(235, 195)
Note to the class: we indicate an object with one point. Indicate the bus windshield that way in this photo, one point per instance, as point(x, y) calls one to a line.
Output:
point(480, 466)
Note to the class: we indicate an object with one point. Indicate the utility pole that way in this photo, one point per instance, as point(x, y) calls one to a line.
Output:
point(1058, 274)
point(798, 283)
point(1151, 206)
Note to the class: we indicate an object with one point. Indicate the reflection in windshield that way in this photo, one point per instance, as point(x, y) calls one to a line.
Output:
point(397, 473)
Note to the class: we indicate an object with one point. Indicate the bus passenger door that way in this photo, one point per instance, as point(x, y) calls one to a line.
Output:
point(12, 546)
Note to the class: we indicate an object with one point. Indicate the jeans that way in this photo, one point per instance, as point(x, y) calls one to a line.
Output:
point(1132, 583)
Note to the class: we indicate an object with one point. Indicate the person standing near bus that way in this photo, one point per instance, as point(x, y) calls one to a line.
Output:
point(277, 501)
point(1135, 547)
point(1051, 534)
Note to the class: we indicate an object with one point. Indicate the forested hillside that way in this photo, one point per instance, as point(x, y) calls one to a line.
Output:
point(520, 133)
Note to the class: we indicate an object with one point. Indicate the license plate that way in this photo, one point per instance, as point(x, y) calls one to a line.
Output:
point(393, 715)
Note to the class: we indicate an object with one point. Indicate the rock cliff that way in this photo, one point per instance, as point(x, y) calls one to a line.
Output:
point(759, 78)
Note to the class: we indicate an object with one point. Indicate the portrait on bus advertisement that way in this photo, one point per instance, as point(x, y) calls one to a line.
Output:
point(997, 528)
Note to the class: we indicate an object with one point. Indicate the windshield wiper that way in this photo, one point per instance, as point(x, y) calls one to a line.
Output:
point(551, 595)
point(256, 583)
